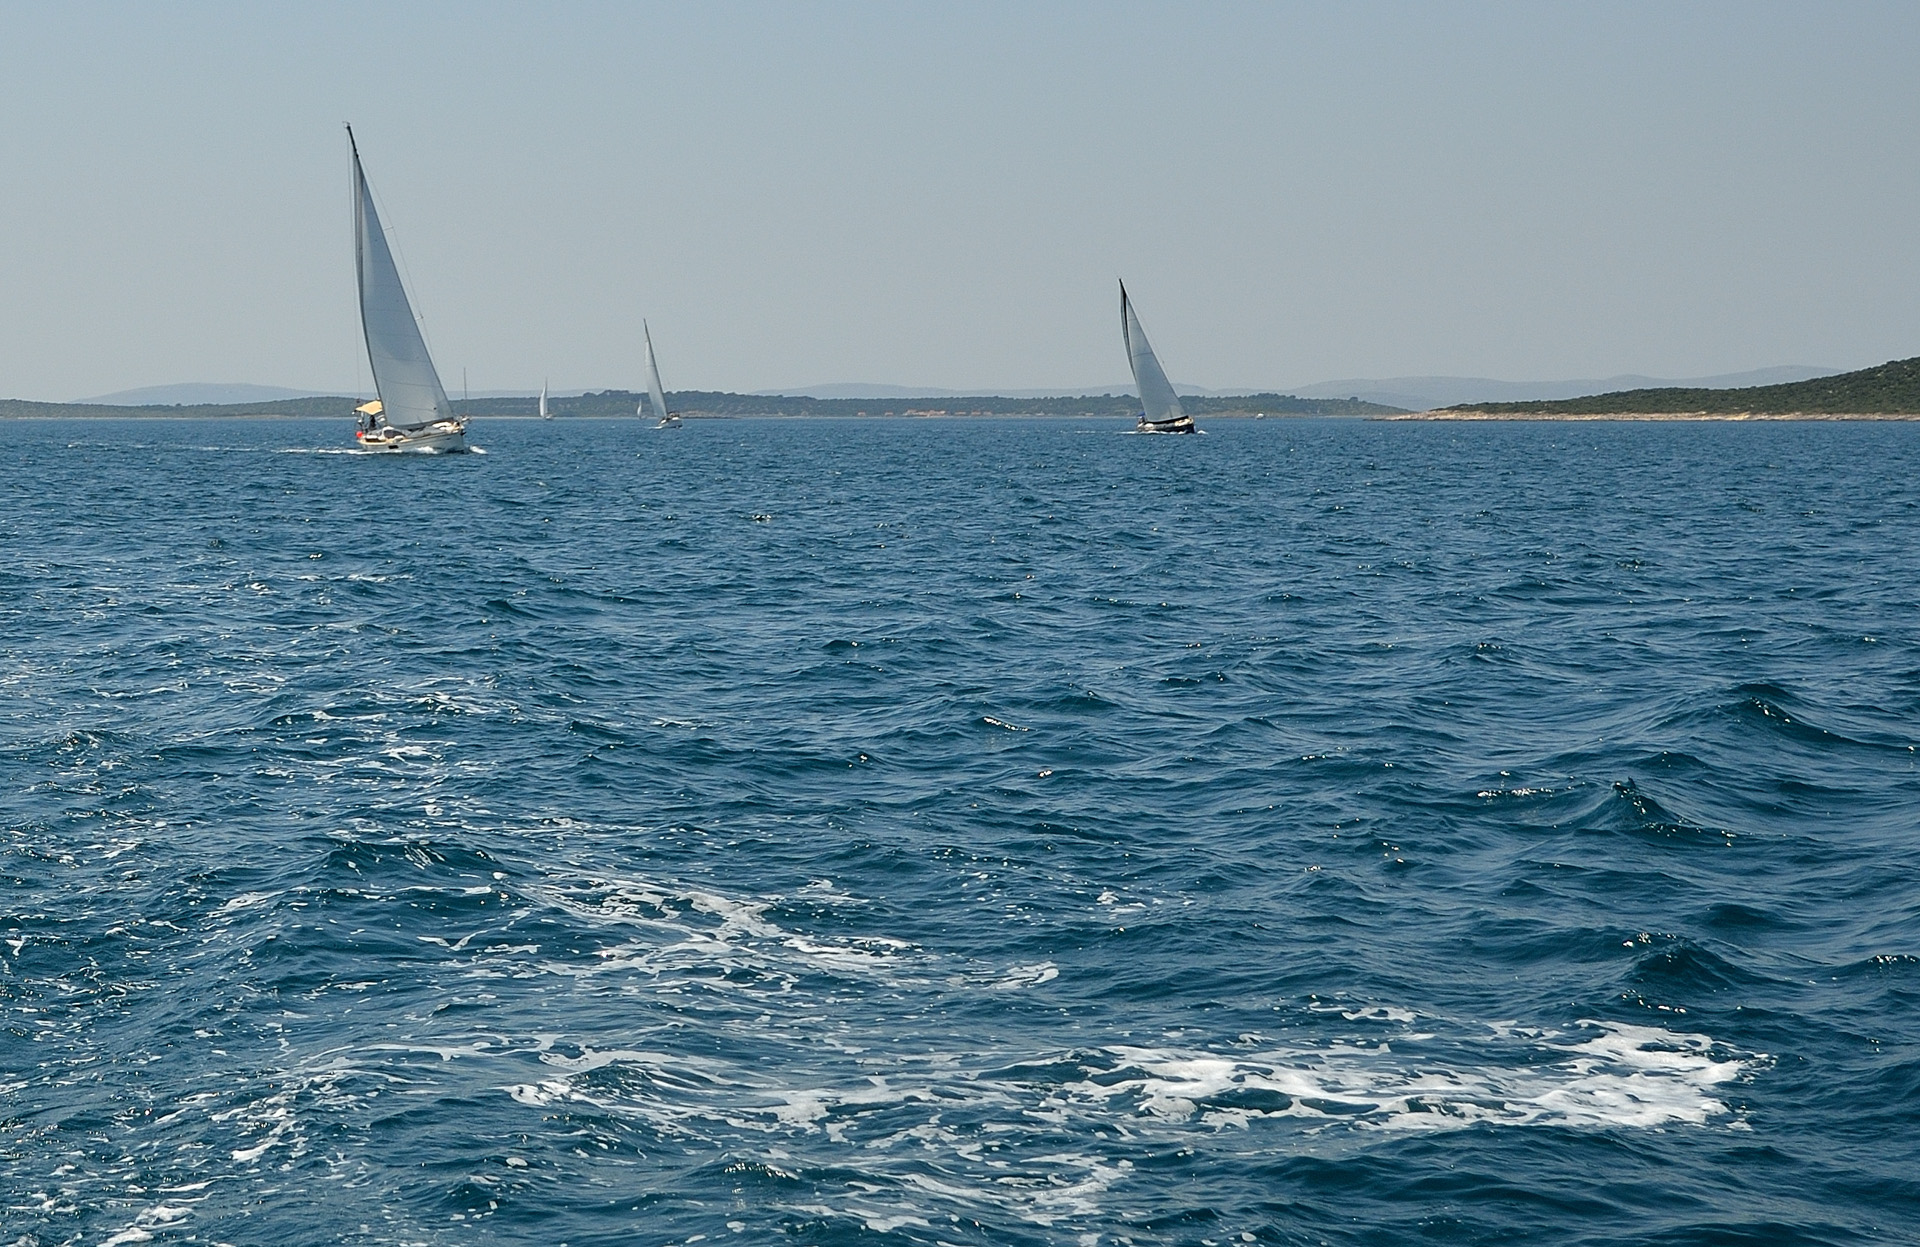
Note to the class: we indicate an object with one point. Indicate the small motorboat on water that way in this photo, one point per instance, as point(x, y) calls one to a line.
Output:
point(655, 395)
point(412, 412)
point(1160, 407)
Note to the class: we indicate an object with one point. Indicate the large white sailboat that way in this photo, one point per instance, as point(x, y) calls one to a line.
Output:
point(1160, 410)
point(544, 413)
point(412, 412)
point(656, 395)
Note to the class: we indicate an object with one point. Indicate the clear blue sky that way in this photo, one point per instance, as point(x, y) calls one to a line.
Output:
point(942, 194)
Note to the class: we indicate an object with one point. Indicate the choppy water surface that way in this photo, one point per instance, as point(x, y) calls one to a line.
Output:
point(1002, 832)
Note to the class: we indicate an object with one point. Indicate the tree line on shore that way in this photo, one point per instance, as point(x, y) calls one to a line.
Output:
point(1890, 389)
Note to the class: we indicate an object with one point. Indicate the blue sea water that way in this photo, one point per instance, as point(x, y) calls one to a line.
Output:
point(973, 832)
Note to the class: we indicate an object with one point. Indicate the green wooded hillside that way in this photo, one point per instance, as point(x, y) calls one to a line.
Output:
point(1890, 389)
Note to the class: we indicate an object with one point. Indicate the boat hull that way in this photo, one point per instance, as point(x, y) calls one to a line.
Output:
point(1183, 425)
point(442, 437)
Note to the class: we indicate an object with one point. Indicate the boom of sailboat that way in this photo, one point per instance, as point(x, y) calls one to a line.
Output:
point(412, 412)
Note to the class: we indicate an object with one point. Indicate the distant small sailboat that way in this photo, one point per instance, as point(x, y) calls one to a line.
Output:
point(656, 395)
point(412, 412)
point(544, 413)
point(1160, 407)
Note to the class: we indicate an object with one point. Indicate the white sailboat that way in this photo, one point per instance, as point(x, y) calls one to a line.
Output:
point(656, 395)
point(544, 413)
point(1160, 406)
point(412, 412)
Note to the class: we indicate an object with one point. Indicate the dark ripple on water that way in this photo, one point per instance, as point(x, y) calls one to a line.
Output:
point(967, 832)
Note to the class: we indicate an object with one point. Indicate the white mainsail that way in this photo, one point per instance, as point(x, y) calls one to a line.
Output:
point(544, 413)
point(655, 394)
point(410, 392)
point(1157, 398)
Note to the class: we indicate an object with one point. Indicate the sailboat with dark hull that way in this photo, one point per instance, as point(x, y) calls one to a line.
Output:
point(655, 395)
point(1160, 410)
point(412, 412)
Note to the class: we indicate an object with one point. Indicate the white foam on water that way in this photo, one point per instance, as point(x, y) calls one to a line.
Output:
point(824, 1051)
point(1618, 1075)
point(1378, 1013)
point(471, 696)
point(246, 900)
point(886, 1223)
point(163, 1216)
point(681, 929)
point(271, 1120)
point(1028, 976)
point(993, 1140)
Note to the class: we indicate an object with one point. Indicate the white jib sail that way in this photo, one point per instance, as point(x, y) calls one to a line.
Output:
point(655, 394)
point(410, 392)
point(1157, 398)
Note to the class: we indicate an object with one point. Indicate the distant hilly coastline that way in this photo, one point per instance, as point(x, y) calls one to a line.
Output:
point(1419, 393)
point(196, 394)
point(876, 391)
point(697, 403)
point(1890, 391)
point(236, 394)
point(1426, 393)
point(324, 405)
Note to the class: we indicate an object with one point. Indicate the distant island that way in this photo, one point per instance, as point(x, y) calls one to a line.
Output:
point(1890, 391)
point(697, 403)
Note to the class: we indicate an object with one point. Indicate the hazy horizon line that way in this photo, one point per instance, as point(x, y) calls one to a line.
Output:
point(1412, 392)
